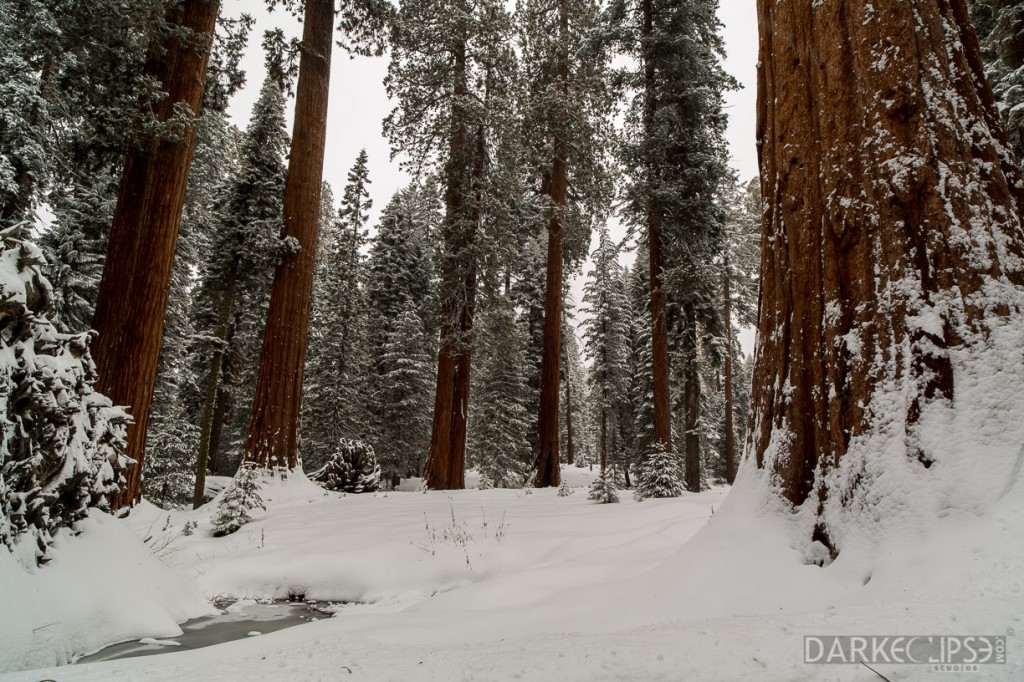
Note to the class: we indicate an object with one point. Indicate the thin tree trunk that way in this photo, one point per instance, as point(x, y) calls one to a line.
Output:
point(213, 386)
point(570, 450)
point(890, 195)
point(730, 435)
point(274, 430)
point(604, 435)
point(216, 465)
point(132, 299)
point(691, 398)
point(659, 320)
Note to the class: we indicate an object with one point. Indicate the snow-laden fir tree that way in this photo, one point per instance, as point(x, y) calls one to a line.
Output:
point(241, 497)
point(75, 247)
point(61, 443)
point(337, 386)
point(450, 75)
point(400, 304)
point(659, 474)
point(1000, 28)
point(62, 125)
point(499, 446)
point(401, 397)
point(602, 489)
point(567, 97)
point(171, 449)
point(235, 279)
point(740, 266)
point(676, 156)
point(604, 337)
point(574, 435)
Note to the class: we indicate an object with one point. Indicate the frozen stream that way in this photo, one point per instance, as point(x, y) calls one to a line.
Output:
point(239, 620)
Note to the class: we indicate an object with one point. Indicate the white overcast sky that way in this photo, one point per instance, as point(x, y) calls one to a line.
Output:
point(359, 104)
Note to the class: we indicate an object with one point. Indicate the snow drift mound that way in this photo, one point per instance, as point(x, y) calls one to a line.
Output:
point(101, 587)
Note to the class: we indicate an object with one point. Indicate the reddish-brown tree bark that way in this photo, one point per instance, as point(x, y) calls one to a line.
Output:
point(132, 299)
point(656, 261)
point(546, 462)
point(274, 429)
point(550, 373)
point(446, 460)
point(892, 228)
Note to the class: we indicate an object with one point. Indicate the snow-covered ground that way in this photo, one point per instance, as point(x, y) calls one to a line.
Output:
point(505, 584)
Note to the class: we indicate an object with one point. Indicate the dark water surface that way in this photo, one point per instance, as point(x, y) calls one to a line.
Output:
point(210, 630)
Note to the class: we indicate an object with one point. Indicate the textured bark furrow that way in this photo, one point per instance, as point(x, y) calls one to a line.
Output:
point(132, 299)
point(277, 405)
point(890, 222)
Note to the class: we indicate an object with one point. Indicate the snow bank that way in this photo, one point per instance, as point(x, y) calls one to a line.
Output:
point(559, 588)
point(102, 586)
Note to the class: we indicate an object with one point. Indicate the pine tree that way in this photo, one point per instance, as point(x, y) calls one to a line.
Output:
point(241, 497)
point(449, 74)
point(351, 468)
point(603, 490)
point(171, 471)
point(636, 419)
point(245, 245)
point(1000, 30)
point(659, 475)
point(62, 443)
point(677, 159)
point(564, 66)
point(62, 125)
point(499, 446)
point(337, 390)
point(604, 338)
point(402, 395)
point(740, 261)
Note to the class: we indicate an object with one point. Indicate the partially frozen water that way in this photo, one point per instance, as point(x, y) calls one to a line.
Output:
point(239, 620)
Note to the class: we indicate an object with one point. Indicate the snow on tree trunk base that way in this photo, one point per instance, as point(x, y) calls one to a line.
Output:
point(888, 367)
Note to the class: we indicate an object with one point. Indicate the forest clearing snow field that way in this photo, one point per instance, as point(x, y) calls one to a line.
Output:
point(510, 584)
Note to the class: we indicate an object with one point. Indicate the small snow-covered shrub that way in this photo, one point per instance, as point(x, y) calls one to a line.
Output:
point(241, 497)
point(564, 490)
point(353, 468)
point(61, 443)
point(659, 475)
point(603, 490)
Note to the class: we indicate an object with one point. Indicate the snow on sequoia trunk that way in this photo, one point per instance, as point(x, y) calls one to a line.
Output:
point(889, 365)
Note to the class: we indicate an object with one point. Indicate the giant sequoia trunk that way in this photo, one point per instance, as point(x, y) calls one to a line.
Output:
point(892, 238)
point(446, 461)
point(132, 299)
point(277, 406)
point(550, 373)
point(656, 252)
